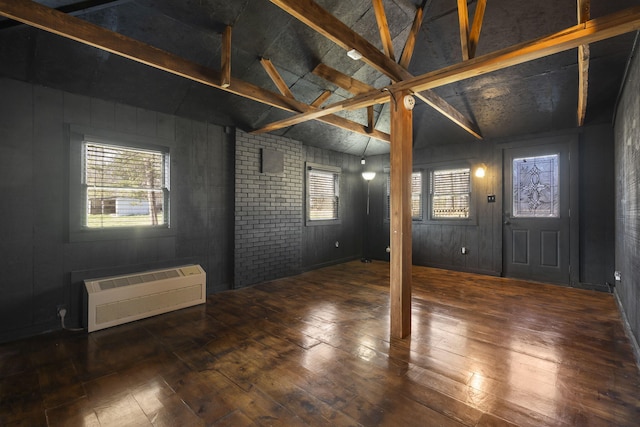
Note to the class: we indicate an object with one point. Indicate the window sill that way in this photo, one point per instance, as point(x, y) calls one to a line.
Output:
point(313, 223)
point(129, 233)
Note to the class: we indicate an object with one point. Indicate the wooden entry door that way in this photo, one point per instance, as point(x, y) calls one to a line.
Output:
point(536, 221)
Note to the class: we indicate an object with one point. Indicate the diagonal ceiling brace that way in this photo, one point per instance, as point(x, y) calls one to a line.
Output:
point(594, 30)
point(311, 14)
point(53, 21)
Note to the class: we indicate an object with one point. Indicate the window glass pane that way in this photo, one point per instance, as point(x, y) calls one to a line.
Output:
point(450, 191)
point(323, 194)
point(124, 186)
point(535, 187)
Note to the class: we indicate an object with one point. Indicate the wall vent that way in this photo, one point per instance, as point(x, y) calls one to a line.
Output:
point(120, 299)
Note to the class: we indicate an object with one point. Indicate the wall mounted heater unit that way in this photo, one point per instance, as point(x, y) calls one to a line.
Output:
point(121, 299)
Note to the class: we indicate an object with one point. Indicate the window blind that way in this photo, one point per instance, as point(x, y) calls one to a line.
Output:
point(416, 196)
point(125, 186)
point(450, 192)
point(323, 194)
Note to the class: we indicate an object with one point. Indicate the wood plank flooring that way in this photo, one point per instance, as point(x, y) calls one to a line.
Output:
point(314, 349)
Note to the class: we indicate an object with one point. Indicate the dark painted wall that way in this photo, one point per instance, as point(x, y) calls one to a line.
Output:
point(627, 197)
point(597, 227)
point(258, 235)
point(439, 245)
point(271, 238)
point(268, 210)
point(319, 241)
point(225, 205)
point(40, 267)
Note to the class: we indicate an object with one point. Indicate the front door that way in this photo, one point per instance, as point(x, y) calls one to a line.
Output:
point(536, 213)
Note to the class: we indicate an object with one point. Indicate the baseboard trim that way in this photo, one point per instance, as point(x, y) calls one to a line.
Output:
point(627, 328)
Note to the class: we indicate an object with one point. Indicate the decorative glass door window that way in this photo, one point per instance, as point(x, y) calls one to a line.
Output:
point(535, 187)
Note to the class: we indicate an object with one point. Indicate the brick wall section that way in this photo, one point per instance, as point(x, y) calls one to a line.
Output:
point(268, 210)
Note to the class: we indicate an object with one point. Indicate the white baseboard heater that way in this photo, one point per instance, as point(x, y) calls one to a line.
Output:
point(120, 299)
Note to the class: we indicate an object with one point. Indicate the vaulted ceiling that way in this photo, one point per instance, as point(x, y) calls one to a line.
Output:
point(265, 37)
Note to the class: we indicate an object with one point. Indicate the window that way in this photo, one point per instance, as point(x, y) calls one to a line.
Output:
point(416, 196)
point(323, 193)
point(119, 185)
point(124, 186)
point(535, 187)
point(450, 193)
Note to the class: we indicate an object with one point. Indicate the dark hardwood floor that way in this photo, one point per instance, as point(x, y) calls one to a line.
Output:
point(314, 350)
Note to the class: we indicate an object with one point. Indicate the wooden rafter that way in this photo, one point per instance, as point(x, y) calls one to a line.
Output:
point(341, 80)
point(349, 84)
point(410, 44)
point(476, 27)
point(370, 118)
point(308, 12)
point(469, 36)
point(592, 31)
point(383, 28)
point(584, 54)
point(321, 99)
point(276, 77)
point(47, 19)
point(463, 18)
point(225, 68)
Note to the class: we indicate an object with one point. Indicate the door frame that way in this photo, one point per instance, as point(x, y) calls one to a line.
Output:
point(571, 139)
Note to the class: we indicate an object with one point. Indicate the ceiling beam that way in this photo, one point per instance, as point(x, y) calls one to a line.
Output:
point(592, 31)
point(410, 44)
point(341, 80)
point(349, 84)
point(584, 7)
point(476, 27)
point(47, 19)
point(441, 106)
point(383, 28)
point(78, 8)
point(308, 12)
point(370, 118)
point(463, 19)
point(225, 58)
point(469, 36)
point(276, 77)
point(321, 99)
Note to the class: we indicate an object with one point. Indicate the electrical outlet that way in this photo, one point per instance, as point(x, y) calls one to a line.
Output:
point(464, 250)
point(617, 276)
point(61, 309)
point(337, 244)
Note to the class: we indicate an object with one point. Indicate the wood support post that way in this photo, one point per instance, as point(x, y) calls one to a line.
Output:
point(400, 212)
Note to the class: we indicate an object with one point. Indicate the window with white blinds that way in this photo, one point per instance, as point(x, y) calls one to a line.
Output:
point(125, 186)
point(450, 193)
point(323, 193)
point(416, 196)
